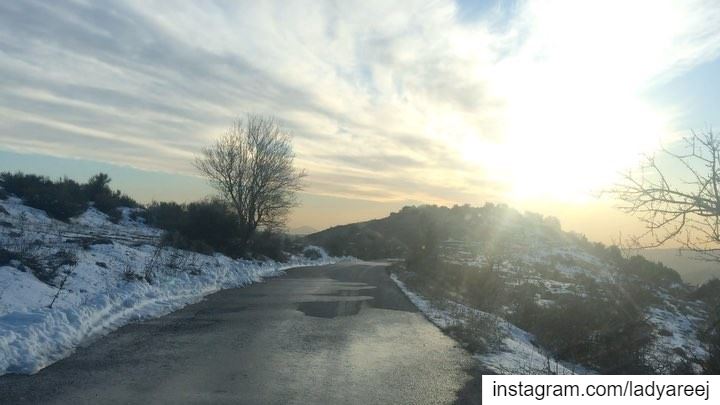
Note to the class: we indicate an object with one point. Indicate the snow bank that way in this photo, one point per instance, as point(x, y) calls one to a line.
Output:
point(515, 355)
point(34, 336)
point(102, 291)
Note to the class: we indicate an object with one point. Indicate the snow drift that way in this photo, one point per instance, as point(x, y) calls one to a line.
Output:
point(102, 288)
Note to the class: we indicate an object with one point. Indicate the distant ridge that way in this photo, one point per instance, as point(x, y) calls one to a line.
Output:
point(302, 230)
point(690, 265)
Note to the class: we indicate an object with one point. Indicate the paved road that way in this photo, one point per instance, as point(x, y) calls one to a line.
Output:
point(340, 334)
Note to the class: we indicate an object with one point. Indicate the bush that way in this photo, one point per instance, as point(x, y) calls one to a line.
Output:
point(98, 191)
point(44, 268)
point(115, 215)
point(203, 226)
point(612, 340)
point(213, 223)
point(708, 292)
point(268, 244)
point(129, 275)
point(312, 253)
point(478, 334)
point(606, 331)
point(165, 215)
point(177, 240)
point(482, 289)
point(7, 256)
point(711, 364)
point(65, 198)
point(139, 215)
point(61, 200)
point(49, 267)
point(654, 273)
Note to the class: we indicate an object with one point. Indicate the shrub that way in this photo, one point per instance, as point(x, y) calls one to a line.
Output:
point(179, 241)
point(709, 292)
point(106, 200)
point(165, 215)
point(269, 244)
point(606, 330)
point(129, 275)
point(44, 268)
point(115, 215)
point(479, 334)
point(203, 226)
point(65, 198)
point(213, 223)
point(312, 253)
point(110, 201)
point(7, 256)
point(469, 336)
point(61, 200)
point(139, 215)
point(614, 339)
point(712, 362)
point(655, 273)
point(48, 268)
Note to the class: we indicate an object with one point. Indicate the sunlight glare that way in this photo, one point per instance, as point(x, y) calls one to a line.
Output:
point(574, 113)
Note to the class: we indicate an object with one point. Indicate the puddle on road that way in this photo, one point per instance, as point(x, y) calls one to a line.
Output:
point(348, 301)
point(332, 309)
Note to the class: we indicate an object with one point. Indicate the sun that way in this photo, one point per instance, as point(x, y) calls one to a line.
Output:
point(575, 112)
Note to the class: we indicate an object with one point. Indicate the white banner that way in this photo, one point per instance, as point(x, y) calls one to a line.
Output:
point(600, 389)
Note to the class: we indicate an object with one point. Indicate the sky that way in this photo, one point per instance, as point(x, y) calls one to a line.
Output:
point(537, 104)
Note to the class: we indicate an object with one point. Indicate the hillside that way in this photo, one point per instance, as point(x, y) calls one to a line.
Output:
point(394, 235)
point(528, 297)
point(63, 283)
point(302, 230)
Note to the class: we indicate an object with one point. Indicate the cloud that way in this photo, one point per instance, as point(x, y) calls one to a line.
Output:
point(387, 101)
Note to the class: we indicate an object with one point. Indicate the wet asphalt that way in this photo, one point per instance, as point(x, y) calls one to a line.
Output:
point(338, 334)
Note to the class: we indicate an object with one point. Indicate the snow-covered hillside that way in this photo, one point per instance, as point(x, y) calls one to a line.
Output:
point(553, 276)
point(62, 284)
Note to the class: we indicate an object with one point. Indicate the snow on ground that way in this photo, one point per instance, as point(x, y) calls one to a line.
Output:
point(675, 335)
point(20, 291)
point(532, 250)
point(437, 316)
point(558, 268)
point(516, 354)
point(102, 290)
point(92, 218)
point(16, 210)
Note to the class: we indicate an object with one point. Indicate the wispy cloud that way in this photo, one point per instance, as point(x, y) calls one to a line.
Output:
point(388, 101)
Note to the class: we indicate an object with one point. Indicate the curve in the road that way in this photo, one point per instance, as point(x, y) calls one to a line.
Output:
point(340, 334)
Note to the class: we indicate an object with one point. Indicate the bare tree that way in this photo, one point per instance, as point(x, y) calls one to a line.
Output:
point(678, 199)
point(252, 168)
point(677, 196)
